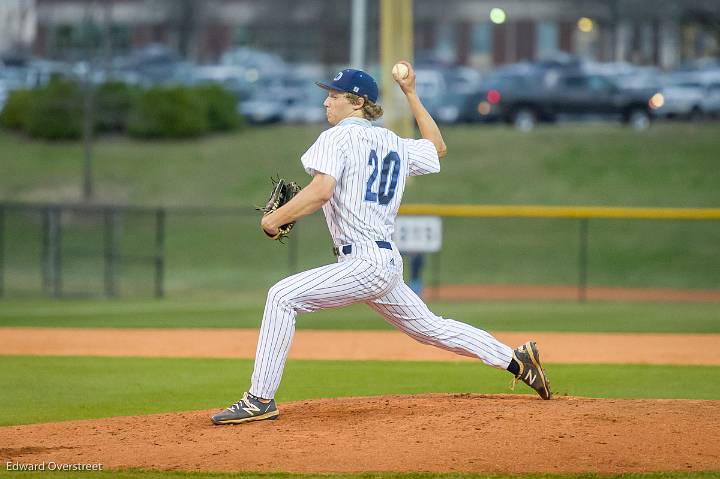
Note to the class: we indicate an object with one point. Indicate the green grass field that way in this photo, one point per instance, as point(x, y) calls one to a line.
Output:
point(42, 389)
point(669, 165)
point(673, 165)
point(45, 389)
point(247, 313)
point(219, 267)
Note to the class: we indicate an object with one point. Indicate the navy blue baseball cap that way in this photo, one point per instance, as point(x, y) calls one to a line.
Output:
point(353, 81)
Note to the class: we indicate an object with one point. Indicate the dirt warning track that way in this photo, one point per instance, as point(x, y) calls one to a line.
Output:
point(354, 345)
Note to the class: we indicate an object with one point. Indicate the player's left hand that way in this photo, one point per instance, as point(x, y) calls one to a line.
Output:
point(269, 228)
point(282, 192)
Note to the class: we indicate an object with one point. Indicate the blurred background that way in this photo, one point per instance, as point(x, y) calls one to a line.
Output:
point(137, 135)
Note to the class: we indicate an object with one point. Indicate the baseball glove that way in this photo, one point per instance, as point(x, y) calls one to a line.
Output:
point(282, 192)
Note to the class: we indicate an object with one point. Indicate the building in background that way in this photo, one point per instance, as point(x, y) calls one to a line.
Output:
point(652, 32)
point(18, 22)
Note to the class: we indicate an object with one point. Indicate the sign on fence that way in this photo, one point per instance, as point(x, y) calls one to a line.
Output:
point(418, 234)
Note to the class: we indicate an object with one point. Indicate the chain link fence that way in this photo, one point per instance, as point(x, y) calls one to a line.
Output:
point(69, 251)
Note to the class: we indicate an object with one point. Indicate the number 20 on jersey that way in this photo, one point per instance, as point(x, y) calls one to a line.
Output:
point(388, 168)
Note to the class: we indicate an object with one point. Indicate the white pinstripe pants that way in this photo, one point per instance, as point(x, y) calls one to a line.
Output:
point(368, 275)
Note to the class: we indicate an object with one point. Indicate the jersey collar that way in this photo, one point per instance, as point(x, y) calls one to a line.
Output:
point(353, 120)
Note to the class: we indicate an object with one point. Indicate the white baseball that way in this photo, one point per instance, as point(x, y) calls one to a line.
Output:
point(400, 70)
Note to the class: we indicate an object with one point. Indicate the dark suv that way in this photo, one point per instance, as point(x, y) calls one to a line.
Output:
point(523, 100)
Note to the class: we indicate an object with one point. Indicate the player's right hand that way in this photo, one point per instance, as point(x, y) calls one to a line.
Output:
point(407, 84)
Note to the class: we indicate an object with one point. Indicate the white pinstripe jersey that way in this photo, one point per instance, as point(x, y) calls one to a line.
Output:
point(370, 165)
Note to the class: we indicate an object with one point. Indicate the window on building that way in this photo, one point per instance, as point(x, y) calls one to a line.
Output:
point(120, 38)
point(446, 42)
point(647, 42)
point(548, 39)
point(241, 36)
point(87, 35)
point(63, 37)
point(481, 45)
point(481, 39)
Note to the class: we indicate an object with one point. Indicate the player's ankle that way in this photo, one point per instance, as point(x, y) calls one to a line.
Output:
point(514, 367)
point(258, 398)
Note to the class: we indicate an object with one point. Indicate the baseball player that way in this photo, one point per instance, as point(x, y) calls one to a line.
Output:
point(359, 172)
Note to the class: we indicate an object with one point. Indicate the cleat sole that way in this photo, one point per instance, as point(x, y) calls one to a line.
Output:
point(270, 415)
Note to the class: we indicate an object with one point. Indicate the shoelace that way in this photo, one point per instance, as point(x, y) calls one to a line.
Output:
point(513, 382)
point(237, 406)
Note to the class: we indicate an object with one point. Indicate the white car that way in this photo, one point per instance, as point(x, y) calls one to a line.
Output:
point(444, 91)
point(690, 95)
point(710, 79)
point(308, 108)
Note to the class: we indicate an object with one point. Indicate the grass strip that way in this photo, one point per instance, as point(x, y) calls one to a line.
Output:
point(47, 389)
point(247, 313)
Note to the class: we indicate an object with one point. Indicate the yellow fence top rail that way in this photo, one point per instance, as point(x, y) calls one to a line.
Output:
point(533, 211)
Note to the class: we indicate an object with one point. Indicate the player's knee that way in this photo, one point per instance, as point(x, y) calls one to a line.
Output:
point(279, 296)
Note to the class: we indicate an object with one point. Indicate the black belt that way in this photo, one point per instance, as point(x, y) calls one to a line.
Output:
point(347, 249)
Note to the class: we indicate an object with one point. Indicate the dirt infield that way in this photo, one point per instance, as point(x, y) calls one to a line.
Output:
point(493, 434)
point(431, 432)
point(357, 345)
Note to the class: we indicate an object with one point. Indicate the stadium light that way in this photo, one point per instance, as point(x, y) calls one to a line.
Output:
point(585, 25)
point(498, 16)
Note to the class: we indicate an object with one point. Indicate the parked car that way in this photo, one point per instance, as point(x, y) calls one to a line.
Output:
point(711, 101)
point(272, 97)
point(258, 65)
point(16, 77)
point(231, 77)
point(445, 91)
point(505, 83)
point(308, 107)
point(265, 106)
point(690, 95)
point(700, 65)
point(629, 77)
point(524, 98)
point(154, 64)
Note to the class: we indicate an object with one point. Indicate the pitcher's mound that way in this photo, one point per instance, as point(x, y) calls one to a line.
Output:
point(434, 432)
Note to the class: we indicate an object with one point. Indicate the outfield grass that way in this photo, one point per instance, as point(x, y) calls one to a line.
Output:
point(140, 474)
point(670, 165)
point(45, 389)
point(246, 312)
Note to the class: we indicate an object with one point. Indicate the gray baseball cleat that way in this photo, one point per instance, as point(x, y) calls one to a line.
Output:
point(531, 371)
point(249, 408)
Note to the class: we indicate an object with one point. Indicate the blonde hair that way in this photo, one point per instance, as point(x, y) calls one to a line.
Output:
point(371, 111)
